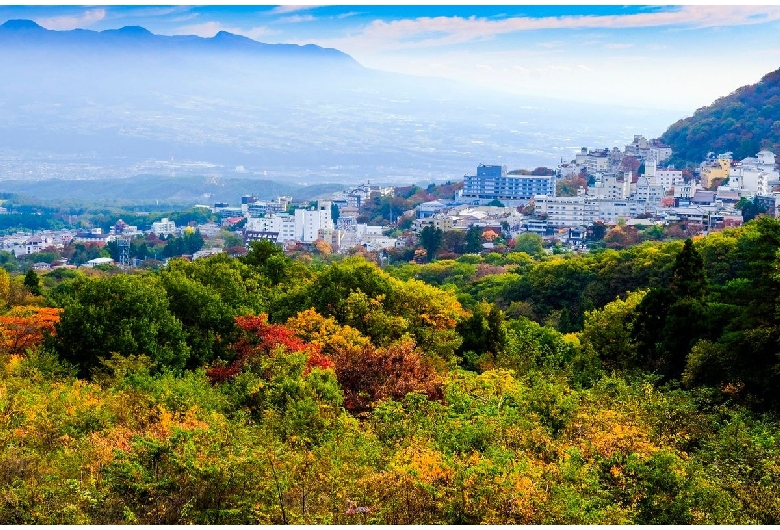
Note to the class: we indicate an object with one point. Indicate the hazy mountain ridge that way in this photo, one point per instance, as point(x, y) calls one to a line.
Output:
point(743, 122)
point(130, 38)
point(183, 190)
point(305, 115)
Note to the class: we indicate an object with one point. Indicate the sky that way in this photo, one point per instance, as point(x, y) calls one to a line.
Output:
point(679, 57)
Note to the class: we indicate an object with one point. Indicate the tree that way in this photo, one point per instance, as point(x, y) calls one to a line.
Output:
point(25, 327)
point(230, 239)
point(630, 163)
point(543, 171)
point(484, 335)
point(431, 240)
point(372, 374)
point(454, 241)
point(621, 237)
point(688, 275)
point(570, 184)
point(323, 247)
point(529, 243)
point(335, 213)
point(474, 240)
point(128, 315)
point(608, 332)
point(207, 319)
point(32, 282)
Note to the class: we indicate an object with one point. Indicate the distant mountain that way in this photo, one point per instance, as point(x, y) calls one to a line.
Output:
point(129, 39)
point(170, 190)
point(85, 104)
point(743, 122)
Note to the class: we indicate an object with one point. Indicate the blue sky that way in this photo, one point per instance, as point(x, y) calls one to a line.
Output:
point(673, 57)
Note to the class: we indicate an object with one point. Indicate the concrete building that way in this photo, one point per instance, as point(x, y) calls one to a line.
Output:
point(610, 187)
point(754, 175)
point(493, 183)
point(303, 225)
point(715, 168)
point(165, 227)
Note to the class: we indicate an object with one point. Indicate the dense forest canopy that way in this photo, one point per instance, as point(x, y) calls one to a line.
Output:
point(744, 122)
point(626, 386)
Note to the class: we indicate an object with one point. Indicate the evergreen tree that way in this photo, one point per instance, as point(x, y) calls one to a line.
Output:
point(431, 240)
point(688, 278)
point(474, 240)
point(32, 282)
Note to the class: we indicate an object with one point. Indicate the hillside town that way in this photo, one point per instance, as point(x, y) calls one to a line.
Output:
point(630, 187)
point(597, 188)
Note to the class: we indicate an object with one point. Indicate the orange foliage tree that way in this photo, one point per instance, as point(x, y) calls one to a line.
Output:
point(262, 338)
point(371, 374)
point(366, 373)
point(25, 327)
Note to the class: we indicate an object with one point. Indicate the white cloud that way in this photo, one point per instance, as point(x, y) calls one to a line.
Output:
point(294, 19)
point(440, 31)
point(280, 10)
point(67, 22)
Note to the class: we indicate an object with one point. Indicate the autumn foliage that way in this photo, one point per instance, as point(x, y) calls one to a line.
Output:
point(372, 374)
point(366, 373)
point(25, 327)
point(262, 338)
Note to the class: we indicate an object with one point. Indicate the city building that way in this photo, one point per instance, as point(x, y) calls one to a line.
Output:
point(165, 227)
point(493, 183)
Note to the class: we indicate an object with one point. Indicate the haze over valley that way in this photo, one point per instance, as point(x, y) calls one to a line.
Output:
point(116, 104)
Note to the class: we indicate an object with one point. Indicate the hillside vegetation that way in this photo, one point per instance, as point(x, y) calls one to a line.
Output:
point(635, 386)
point(743, 122)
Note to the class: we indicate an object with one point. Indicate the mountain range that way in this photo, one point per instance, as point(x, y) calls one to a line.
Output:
point(83, 104)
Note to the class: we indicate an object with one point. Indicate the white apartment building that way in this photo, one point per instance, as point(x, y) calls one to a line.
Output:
point(281, 224)
point(647, 191)
point(585, 210)
point(594, 161)
point(165, 227)
point(611, 187)
point(644, 149)
point(303, 226)
point(754, 174)
point(566, 211)
point(309, 222)
point(369, 237)
point(669, 178)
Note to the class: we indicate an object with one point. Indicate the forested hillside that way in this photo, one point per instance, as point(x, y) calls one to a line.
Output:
point(635, 386)
point(743, 122)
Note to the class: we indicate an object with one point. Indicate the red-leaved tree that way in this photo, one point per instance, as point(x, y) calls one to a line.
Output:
point(261, 338)
point(371, 374)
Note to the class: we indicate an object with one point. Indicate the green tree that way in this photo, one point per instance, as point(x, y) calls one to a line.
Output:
point(431, 240)
point(128, 315)
point(335, 213)
point(688, 275)
point(32, 282)
point(484, 336)
point(454, 241)
point(529, 243)
point(474, 240)
point(608, 332)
